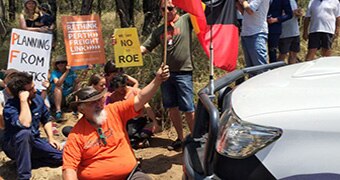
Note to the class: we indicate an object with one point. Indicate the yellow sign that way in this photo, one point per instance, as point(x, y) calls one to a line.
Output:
point(127, 48)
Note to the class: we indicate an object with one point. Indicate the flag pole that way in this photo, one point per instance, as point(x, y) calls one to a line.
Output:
point(211, 86)
point(165, 30)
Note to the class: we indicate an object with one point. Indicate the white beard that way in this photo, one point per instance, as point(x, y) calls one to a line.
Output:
point(100, 118)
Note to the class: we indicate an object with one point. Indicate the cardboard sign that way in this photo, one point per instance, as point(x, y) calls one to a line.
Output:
point(127, 49)
point(30, 52)
point(83, 40)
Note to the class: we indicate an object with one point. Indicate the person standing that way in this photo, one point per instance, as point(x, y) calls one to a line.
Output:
point(321, 26)
point(177, 91)
point(23, 115)
point(254, 31)
point(279, 12)
point(290, 37)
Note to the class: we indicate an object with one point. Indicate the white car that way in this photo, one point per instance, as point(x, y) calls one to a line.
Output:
point(281, 124)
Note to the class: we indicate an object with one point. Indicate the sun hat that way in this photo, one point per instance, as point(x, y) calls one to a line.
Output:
point(45, 7)
point(26, 1)
point(60, 58)
point(87, 94)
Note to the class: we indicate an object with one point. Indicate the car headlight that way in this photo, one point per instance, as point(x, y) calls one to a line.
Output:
point(239, 139)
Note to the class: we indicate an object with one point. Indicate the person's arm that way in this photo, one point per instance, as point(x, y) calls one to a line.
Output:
point(148, 91)
point(59, 81)
point(143, 50)
point(49, 132)
point(22, 25)
point(132, 81)
point(288, 13)
point(25, 116)
point(246, 7)
point(337, 26)
point(305, 28)
point(69, 174)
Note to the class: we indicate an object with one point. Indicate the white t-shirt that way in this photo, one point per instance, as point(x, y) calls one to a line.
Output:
point(4, 96)
point(256, 23)
point(290, 28)
point(323, 14)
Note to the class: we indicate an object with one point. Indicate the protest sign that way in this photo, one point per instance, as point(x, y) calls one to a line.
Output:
point(127, 49)
point(30, 52)
point(83, 40)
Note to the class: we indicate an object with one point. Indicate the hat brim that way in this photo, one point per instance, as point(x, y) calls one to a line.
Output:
point(91, 99)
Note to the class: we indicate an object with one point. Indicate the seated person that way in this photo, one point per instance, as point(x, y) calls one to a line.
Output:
point(112, 71)
point(23, 115)
point(136, 127)
point(46, 17)
point(98, 146)
point(98, 82)
point(63, 82)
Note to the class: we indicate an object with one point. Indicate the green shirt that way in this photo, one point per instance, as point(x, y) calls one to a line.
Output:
point(179, 44)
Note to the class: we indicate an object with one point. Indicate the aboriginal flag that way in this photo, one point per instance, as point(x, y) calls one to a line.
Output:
point(220, 19)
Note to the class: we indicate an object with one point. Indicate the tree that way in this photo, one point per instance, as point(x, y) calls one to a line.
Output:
point(152, 15)
point(86, 7)
point(2, 10)
point(12, 9)
point(125, 11)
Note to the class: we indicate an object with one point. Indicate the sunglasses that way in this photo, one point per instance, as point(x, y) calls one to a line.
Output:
point(102, 136)
point(61, 62)
point(170, 8)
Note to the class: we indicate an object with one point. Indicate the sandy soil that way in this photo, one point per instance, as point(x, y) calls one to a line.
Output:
point(156, 160)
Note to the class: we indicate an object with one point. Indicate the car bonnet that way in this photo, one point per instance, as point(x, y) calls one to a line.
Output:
point(309, 85)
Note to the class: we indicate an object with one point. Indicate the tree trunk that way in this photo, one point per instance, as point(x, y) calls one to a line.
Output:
point(86, 7)
point(12, 9)
point(3, 10)
point(125, 11)
point(152, 15)
point(99, 7)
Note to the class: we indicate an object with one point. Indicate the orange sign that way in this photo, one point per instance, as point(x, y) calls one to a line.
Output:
point(83, 40)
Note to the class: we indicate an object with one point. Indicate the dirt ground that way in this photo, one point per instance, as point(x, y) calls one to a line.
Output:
point(156, 160)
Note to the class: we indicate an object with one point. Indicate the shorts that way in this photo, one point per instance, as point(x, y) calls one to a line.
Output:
point(289, 44)
point(319, 40)
point(178, 91)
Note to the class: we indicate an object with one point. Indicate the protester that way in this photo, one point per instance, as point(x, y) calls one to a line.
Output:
point(321, 26)
point(112, 71)
point(98, 82)
point(279, 12)
point(63, 82)
point(290, 37)
point(47, 18)
point(177, 92)
point(23, 115)
point(30, 18)
point(98, 146)
point(136, 127)
point(254, 31)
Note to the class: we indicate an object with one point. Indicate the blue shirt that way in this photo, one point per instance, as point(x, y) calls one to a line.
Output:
point(68, 82)
point(11, 112)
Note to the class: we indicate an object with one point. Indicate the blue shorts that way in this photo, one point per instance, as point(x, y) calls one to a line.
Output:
point(178, 91)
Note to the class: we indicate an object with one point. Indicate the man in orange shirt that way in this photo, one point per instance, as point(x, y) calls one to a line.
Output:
point(98, 145)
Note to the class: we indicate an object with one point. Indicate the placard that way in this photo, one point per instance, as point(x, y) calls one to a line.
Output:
point(127, 49)
point(30, 52)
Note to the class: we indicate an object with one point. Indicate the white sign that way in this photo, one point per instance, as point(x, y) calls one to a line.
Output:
point(30, 52)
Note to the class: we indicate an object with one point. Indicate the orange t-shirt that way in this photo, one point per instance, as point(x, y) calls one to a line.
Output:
point(85, 152)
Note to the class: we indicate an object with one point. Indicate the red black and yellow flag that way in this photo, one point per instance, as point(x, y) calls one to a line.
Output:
point(218, 17)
